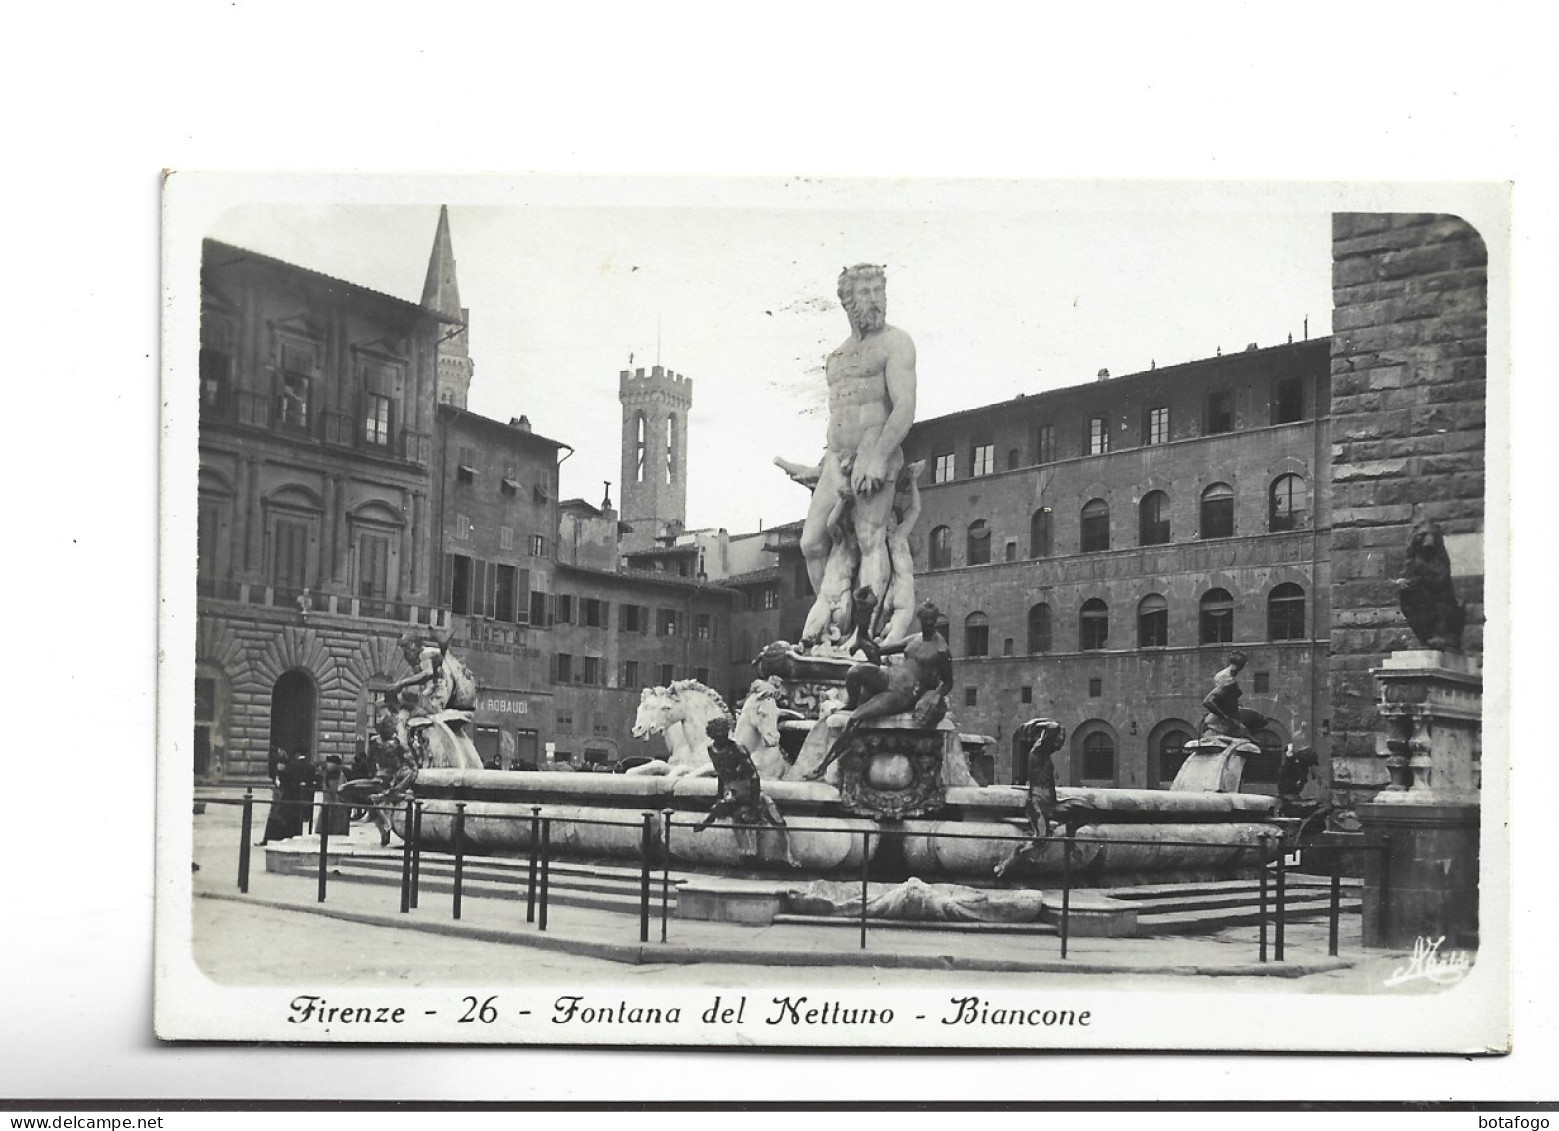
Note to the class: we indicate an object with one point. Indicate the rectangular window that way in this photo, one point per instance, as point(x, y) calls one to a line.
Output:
point(1044, 443)
point(460, 583)
point(592, 672)
point(592, 612)
point(508, 485)
point(293, 412)
point(1026, 694)
point(376, 420)
point(971, 697)
point(565, 726)
point(538, 608)
point(563, 668)
point(463, 527)
point(1220, 413)
point(538, 546)
point(503, 592)
point(982, 459)
point(207, 523)
point(665, 622)
point(1095, 687)
point(632, 618)
point(1098, 435)
point(563, 609)
point(216, 375)
point(702, 675)
point(1288, 400)
point(942, 468)
point(465, 467)
point(771, 596)
point(291, 558)
point(1261, 682)
point(506, 538)
point(373, 566)
point(666, 676)
point(977, 640)
point(630, 673)
point(1156, 430)
point(702, 627)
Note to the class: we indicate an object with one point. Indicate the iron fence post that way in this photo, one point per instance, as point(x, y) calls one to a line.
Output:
point(406, 860)
point(646, 838)
point(546, 867)
point(866, 858)
point(1335, 910)
point(665, 870)
point(535, 847)
point(246, 831)
point(1066, 891)
point(1282, 872)
point(459, 835)
point(1262, 946)
point(414, 827)
point(324, 846)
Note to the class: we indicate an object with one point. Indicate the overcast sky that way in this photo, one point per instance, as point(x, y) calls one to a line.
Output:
point(1005, 289)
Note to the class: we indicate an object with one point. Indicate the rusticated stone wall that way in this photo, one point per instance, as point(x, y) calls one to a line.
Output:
point(1409, 361)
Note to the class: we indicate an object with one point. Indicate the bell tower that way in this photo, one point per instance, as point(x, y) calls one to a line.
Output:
point(654, 453)
point(441, 293)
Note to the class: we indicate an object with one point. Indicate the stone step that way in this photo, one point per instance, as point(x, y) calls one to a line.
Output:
point(559, 879)
point(1250, 899)
point(1221, 887)
point(1178, 922)
point(442, 883)
point(1036, 928)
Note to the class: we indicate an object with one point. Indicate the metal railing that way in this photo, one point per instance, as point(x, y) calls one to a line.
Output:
point(655, 838)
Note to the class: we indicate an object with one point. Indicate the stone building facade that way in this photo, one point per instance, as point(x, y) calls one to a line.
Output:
point(1098, 550)
point(495, 516)
point(1409, 380)
point(316, 441)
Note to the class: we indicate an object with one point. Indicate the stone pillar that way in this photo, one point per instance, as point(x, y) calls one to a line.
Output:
point(1425, 884)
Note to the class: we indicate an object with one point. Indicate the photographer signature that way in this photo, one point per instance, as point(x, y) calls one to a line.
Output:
point(1428, 964)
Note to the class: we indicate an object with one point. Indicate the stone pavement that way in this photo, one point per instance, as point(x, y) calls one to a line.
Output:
point(1228, 953)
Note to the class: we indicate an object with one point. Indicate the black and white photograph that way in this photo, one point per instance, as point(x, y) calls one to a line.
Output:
point(834, 613)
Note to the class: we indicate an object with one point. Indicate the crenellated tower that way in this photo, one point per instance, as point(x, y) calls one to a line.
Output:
point(654, 453)
point(441, 293)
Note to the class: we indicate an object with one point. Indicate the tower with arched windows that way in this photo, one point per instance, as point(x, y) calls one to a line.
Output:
point(655, 407)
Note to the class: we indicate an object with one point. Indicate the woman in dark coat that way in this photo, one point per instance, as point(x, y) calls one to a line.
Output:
point(295, 792)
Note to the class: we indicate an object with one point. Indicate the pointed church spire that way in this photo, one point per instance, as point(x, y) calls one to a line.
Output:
point(441, 291)
point(441, 294)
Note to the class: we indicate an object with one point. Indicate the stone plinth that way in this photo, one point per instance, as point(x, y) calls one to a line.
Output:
point(1425, 884)
point(1432, 706)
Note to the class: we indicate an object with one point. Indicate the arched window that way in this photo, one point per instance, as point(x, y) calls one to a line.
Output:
point(1218, 511)
point(977, 635)
point(1153, 622)
point(1288, 503)
point(1098, 757)
point(1039, 533)
point(1093, 625)
point(1095, 526)
point(671, 448)
point(1286, 612)
point(1039, 628)
point(1172, 755)
point(640, 446)
point(979, 543)
point(1153, 513)
point(941, 549)
point(1217, 618)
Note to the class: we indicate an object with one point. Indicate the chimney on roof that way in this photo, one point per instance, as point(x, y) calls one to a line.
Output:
point(606, 495)
point(1104, 374)
point(1250, 347)
point(521, 422)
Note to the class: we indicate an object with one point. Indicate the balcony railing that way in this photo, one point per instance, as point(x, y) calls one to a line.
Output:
point(327, 604)
point(336, 429)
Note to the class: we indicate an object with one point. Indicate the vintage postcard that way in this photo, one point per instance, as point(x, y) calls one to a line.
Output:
point(834, 614)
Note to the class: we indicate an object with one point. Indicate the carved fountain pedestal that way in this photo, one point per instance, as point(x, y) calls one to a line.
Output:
point(1425, 884)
